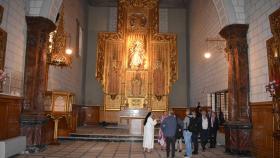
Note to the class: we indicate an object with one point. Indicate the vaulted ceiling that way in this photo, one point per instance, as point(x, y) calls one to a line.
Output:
point(163, 3)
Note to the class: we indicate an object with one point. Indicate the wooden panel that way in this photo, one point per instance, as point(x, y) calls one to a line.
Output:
point(180, 112)
point(80, 114)
point(111, 116)
point(91, 115)
point(10, 108)
point(3, 124)
point(262, 119)
point(48, 131)
point(13, 120)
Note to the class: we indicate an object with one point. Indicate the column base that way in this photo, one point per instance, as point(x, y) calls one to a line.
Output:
point(238, 138)
point(37, 130)
point(276, 150)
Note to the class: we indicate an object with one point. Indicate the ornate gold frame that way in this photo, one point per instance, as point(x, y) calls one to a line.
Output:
point(68, 97)
point(138, 21)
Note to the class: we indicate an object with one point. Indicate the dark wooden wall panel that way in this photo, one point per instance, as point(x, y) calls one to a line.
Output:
point(91, 115)
point(262, 119)
point(80, 114)
point(10, 109)
point(180, 112)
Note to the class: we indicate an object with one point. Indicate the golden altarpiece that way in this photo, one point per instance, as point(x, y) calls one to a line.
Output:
point(137, 65)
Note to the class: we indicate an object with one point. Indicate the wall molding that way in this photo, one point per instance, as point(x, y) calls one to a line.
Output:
point(264, 103)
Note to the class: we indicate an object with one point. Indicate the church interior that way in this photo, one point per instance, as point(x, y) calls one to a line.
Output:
point(78, 77)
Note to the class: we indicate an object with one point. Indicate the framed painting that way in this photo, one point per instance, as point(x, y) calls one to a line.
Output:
point(3, 42)
point(79, 39)
point(1, 13)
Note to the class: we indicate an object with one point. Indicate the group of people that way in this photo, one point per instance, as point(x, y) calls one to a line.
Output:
point(173, 130)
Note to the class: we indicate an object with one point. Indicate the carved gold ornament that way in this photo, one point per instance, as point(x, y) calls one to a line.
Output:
point(137, 65)
point(58, 55)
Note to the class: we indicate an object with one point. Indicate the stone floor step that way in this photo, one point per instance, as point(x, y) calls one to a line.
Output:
point(107, 137)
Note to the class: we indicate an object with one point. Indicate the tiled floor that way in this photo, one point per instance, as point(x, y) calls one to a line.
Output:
point(109, 130)
point(92, 149)
point(102, 130)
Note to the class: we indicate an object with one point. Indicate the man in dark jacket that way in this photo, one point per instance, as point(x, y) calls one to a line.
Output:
point(204, 130)
point(195, 127)
point(213, 128)
point(168, 126)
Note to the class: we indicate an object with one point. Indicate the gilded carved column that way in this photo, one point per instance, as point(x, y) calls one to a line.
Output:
point(238, 128)
point(273, 50)
point(238, 71)
point(33, 120)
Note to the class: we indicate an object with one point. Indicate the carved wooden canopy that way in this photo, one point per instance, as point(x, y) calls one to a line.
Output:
point(137, 65)
point(273, 48)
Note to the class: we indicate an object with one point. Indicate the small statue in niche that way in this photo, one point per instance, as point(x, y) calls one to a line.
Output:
point(136, 84)
point(113, 89)
point(158, 77)
point(137, 55)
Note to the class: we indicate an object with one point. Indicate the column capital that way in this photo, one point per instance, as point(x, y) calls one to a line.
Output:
point(40, 24)
point(235, 35)
point(274, 20)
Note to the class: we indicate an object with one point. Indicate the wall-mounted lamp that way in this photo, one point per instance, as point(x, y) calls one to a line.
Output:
point(217, 44)
point(68, 47)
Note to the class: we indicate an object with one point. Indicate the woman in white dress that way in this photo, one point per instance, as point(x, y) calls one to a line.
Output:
point(148, 140)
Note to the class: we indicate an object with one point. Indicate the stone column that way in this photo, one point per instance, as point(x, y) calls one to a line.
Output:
point(33, 118)
point(238, 128)
point(38, 29)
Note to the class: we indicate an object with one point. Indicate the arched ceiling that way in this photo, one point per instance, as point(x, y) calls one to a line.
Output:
point(163, 3)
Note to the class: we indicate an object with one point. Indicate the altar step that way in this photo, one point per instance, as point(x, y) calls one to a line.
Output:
point(105, 138)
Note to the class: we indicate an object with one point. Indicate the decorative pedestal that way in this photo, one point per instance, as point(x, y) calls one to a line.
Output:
point(238, 138)
point(35, 128)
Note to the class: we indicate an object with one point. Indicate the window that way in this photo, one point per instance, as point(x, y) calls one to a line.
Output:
point(79, 39)
point(219, 103)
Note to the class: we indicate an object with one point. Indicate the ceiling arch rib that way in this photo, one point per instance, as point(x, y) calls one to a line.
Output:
point(44, 8)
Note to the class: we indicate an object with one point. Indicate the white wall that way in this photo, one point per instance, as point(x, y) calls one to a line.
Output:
point(206, 20)
point(97, 21)
point(177, 24)
point(14, 24)
point(206, 75)
point(71, 78)
point(257, 12)
point(104, 19)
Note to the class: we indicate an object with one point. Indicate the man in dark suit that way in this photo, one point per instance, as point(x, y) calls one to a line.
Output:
point(204, 133)
point(168, 126)
point(195, 127)
point(214, 127)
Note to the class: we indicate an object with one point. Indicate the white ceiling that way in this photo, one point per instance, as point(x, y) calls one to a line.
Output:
point(163, 3)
